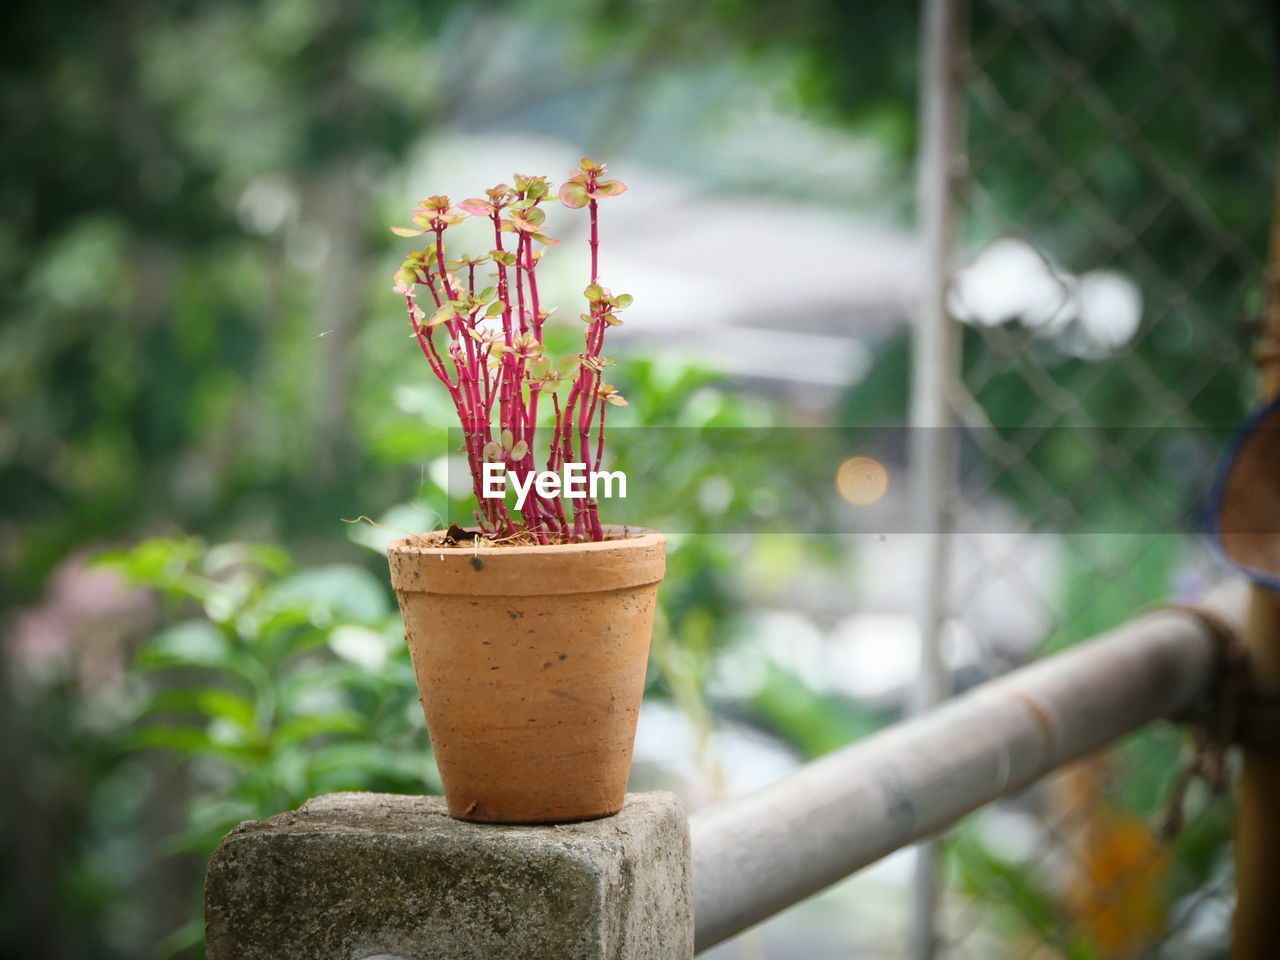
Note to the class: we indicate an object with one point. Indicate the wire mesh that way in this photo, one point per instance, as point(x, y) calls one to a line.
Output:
point(1115, 207)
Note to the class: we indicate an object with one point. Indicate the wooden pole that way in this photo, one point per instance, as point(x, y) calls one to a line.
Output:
point(1256, 926)
point(760, 854)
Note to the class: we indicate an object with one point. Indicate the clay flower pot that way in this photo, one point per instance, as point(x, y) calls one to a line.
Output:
point(531, 664)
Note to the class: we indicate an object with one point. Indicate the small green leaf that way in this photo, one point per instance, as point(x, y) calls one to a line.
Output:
point(407, 231)
point(443, 314)
point(520, 450)
point(594, 293)
point(405, 278)
point(495, 308)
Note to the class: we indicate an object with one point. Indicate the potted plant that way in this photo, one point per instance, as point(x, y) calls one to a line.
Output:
point(529, 631)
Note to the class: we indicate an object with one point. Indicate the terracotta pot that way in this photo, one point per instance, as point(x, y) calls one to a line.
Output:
point(531, 664)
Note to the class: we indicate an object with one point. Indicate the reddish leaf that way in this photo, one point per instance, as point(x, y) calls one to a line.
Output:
point(479, 208)
point(524, 224)
point(608, 188)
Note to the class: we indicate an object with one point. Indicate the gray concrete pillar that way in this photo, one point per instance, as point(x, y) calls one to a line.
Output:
point(353, 876)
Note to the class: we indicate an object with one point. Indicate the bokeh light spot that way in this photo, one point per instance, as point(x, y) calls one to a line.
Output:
point(862, 481)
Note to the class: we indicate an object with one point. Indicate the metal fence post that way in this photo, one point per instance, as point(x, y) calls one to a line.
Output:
point(935, 369)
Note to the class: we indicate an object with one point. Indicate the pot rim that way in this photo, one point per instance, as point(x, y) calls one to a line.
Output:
point(628, 537)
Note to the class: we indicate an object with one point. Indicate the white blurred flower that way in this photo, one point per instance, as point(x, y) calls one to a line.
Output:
point(1011, 281)
point(1089, 316)
point(1110, 308)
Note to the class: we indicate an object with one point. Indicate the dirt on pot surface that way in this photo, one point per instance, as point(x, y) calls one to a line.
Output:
point(531, 662)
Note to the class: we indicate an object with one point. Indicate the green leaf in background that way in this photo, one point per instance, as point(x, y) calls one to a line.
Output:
point(302, 728)
point(194, 742)
point(192, 643)
point(211, 702)
point(333, 593)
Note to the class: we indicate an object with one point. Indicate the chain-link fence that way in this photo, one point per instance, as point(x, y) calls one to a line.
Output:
point(1114, 207)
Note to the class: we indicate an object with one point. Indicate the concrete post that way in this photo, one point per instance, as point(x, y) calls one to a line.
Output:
point(352, 876)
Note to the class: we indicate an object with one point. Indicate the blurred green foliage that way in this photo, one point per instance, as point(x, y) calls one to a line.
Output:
point(268, 684)
point(173, 173)
point(295, 682)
